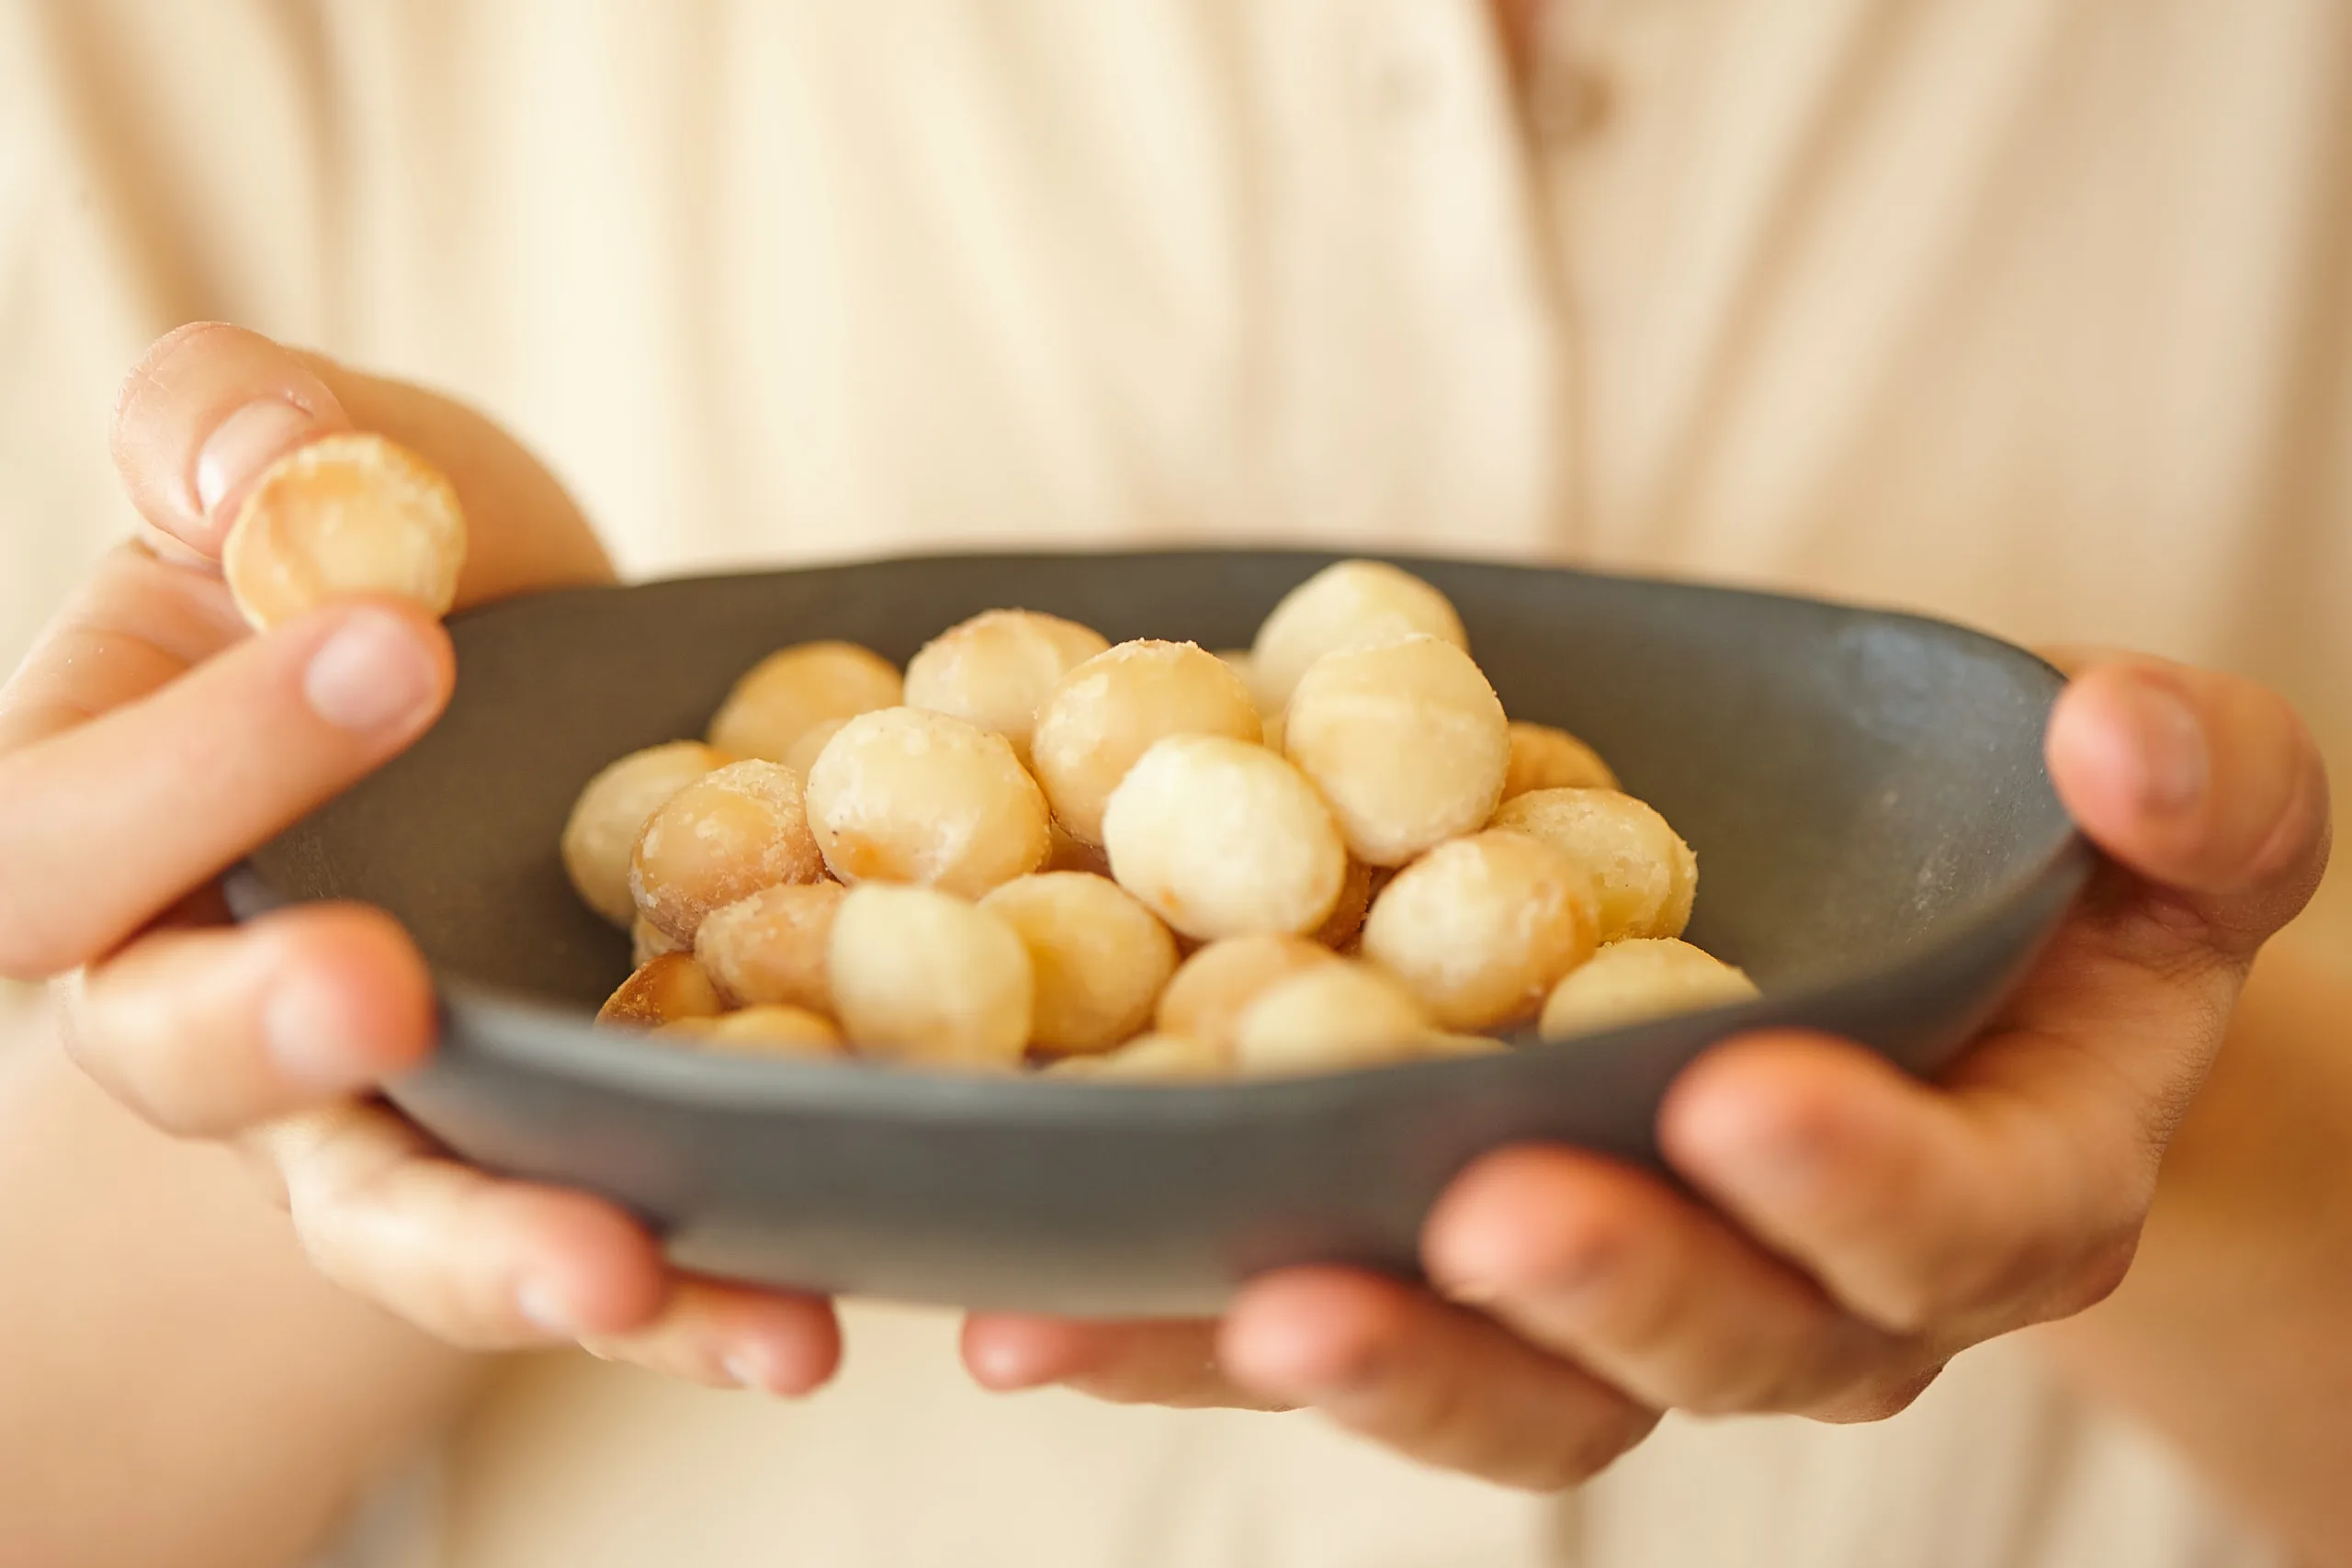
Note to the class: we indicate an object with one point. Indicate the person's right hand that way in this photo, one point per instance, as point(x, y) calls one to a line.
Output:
point(149, 740)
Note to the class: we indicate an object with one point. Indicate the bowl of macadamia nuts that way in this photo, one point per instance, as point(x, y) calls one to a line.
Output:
point(1087, 933)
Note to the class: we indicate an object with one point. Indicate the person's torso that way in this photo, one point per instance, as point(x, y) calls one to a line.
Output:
point(2035, 314)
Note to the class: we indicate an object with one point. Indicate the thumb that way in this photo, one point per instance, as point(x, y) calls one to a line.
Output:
point(2207, 787)
point(208, 407)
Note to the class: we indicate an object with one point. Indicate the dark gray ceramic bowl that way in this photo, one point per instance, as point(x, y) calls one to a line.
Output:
point(1879, 846)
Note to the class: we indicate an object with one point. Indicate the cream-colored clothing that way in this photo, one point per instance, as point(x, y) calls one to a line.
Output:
point(2037, 313)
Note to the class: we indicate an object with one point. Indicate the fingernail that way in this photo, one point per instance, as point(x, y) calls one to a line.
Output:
point(1477, 1291)
point(245, 443)
point(1002, 1369)
point(306, 1030)
point(747, 1369)
point(372, 674)
point(543, 1308)
point(2173, 761)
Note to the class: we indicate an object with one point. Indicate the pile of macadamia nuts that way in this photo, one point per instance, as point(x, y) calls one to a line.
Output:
point(1142, 860)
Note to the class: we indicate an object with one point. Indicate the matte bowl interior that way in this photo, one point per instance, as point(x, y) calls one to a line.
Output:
point(1849, 779)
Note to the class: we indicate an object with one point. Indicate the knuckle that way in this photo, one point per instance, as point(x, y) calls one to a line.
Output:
point(1974, 1273)
point(1582, 1448)
point(2165, 934)
point(170, 1102)
point(1880, 1396)
point(261, 1161)
point(26, 956)
point(1754, 1388)
point(31, 950)
point(2062, 1267)
point(126, 1073)
point(337, 1186)
point(145, 377)
point(1440, 1412)
point(2049, 1272)
point(1793, 1375)
point(1649, 1310)
point(2093, 1280)
point(1891, 1395)
point(686, 1341)
point(1930, 1295)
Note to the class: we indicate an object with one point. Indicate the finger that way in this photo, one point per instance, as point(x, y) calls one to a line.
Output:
point(210, 406)
point(107, 823)
point(210, 1030)
point(2206, 786)
point(481, 1263)
point(1172, 1363)
point(202, 413)
point(139, 623)
point(727, 1337)
point(1959, 1212)
point(1433, 1382)
point(1604, 1267)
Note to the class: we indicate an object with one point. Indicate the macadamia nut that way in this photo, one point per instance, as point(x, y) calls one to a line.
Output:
point(1343, 606)
point(1479, 929)
point(1153, 1058)
point(792, 691)
point(1334, 1016)
point(612, 812)
point(997, 667)
point(811, 745)
point(1098, 958)
point(723, 836)
point(919, 975)
point(907, 795)
point(1405, 740)
point(663, 991)
point(1271, 731)
point(646, 943)
point(1213, 988)
point(1108, 711)
point(1639, 979)
point(1644, 876)
point(351, 513)
point(1222, 837)
point(1545, 758)
point(761, 1031)
point(1075, 854)
point(771, 948)
point(1343, 927)
point(1141, 864)
point(1244, 663)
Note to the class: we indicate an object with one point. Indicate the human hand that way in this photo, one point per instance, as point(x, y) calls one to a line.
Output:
point(149, 740)
point(1864, 1226)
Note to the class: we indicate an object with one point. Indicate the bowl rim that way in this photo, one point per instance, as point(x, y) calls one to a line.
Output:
point(562, 1041)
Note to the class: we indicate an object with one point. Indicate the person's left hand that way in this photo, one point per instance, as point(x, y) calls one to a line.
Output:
point(1866, 1226)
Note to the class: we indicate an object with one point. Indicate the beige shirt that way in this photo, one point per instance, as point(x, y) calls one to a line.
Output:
point(2036, 313)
